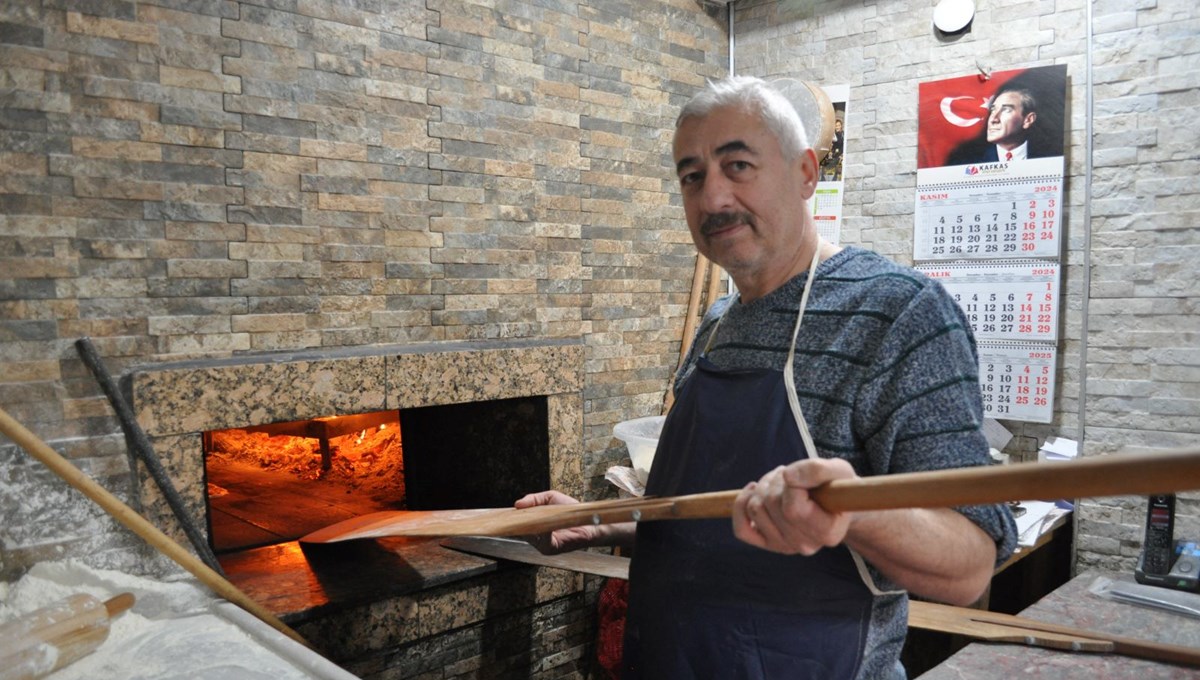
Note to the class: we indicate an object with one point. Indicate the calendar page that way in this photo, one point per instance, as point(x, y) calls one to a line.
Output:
point(1004, 300)
point(1017, 380)
point(827, 213)
point(1001, 211)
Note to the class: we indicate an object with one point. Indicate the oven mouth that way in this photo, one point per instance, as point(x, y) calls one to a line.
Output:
point(267, 484)
point(273, 483)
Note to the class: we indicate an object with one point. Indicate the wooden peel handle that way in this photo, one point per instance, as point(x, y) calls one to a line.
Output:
point(138, 524)
point(1112, 475)
point(999, 627)
point(1120, 474)
point(119, 603)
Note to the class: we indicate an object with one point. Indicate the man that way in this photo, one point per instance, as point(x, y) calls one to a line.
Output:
point(883, 368)
point(1011, 117)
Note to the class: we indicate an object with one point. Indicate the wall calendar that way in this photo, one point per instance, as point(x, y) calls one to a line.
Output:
point(1014, 300)
point(988, 222)
point(1017, 380)
point(1018, 216)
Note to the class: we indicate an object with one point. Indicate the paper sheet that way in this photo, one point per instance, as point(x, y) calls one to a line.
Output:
point(1038, 516)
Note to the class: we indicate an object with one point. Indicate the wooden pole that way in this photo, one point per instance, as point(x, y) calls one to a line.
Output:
point(714, 285)
point(689, 324)
point(138, 524)
point(1120, 474)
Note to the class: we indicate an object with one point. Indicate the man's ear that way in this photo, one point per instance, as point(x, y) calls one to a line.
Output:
point(1029, 118)
point(809, 173)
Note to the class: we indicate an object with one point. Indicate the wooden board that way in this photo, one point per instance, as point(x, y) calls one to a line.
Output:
point(997, 627)
point(295, 506)
point(584, 562)
point(1112, 475)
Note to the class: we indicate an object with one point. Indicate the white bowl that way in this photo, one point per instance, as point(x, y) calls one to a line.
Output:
point(641, 438)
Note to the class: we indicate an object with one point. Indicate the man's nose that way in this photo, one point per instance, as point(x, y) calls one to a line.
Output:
point(717, 193)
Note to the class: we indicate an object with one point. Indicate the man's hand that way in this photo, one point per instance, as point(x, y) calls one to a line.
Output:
point(560, 540)
point(777, 513)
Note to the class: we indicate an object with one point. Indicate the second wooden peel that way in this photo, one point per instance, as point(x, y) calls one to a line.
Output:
point(997, 627)
point(1118, 474)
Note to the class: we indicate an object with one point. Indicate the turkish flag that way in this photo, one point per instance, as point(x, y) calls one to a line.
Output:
point(951, 112)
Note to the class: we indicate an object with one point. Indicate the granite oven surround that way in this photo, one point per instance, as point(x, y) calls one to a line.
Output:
point(387, 616)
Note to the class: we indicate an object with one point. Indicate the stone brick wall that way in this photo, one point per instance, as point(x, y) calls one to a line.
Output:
point(1136, 372)
point(195, 180)
point(1143, 367)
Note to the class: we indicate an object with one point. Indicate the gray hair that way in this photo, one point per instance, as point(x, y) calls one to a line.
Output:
point(753, 95)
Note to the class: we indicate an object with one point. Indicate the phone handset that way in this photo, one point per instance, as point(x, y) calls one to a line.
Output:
point(1158, 552)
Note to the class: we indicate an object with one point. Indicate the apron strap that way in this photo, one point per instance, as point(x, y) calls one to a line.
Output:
point(789, 378)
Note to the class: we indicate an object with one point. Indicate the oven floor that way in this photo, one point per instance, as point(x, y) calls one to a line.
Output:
point(261, 507)
point(299, 582)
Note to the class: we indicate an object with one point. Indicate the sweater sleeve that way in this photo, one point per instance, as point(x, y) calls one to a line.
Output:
point(919, 407)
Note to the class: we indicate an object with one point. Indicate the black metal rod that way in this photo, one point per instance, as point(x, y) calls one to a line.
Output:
point(140, 443)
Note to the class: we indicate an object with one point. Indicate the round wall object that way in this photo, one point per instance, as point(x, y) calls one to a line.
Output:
point(952, 16)
point(815, 109)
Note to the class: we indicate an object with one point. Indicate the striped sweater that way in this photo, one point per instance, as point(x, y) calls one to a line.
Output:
point(887, 377)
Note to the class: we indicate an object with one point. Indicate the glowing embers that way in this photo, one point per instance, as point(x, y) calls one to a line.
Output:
point(273, 483)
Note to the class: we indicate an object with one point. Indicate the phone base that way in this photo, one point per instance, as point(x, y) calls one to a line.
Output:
point(1184, 573)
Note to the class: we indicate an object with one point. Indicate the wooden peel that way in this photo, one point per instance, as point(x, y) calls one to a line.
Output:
point(49, 638)
point(516, 550)
point(1118, 474)
point(138, 524)
point(997, 627)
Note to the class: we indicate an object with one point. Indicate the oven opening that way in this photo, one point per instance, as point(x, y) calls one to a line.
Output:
point(273, 483)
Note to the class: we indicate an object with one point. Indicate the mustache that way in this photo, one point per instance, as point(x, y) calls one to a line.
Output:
point(718, 221)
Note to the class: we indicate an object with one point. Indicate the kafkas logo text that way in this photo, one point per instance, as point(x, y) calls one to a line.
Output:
point(985, 169)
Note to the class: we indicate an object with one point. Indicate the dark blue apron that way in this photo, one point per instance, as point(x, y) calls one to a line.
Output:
point(704, 604)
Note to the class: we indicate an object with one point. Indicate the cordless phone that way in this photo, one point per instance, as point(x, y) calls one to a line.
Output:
point(1165, 562)
point(1158, 551)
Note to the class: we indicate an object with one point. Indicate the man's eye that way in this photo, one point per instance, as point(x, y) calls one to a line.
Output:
point(689, 178)
point(738, 166)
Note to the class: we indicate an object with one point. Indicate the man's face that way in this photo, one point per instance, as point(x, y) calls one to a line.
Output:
point(1008, 122)
point(745, 204)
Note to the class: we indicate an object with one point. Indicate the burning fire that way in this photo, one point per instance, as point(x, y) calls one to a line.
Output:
point(369, 461)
